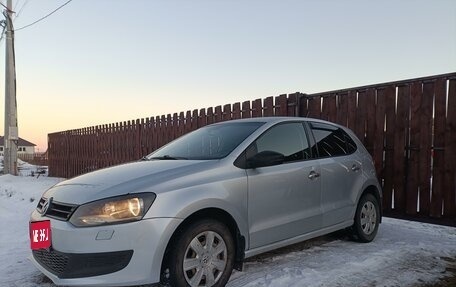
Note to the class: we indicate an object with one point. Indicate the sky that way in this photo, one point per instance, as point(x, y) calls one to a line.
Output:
point(106, 61)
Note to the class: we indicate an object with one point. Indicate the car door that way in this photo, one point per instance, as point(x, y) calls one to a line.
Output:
point(284, 198)
point(340, 172)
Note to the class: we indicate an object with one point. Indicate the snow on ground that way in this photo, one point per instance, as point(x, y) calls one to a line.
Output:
point(403, 254)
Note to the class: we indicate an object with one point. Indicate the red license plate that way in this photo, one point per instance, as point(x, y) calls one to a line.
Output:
point(40, 234)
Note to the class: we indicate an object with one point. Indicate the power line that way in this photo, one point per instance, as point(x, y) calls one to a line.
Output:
point(44, 17)
point(20, 10)
point(5, 7)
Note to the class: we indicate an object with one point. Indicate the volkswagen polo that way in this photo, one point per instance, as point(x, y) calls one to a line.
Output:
point(193, 210)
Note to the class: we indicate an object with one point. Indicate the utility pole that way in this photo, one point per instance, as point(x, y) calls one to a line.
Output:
point(11, 132)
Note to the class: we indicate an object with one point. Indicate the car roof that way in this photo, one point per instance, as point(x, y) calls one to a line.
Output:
point(273, 120)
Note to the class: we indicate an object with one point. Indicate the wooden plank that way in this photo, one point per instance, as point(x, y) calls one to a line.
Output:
point(314, 107)
point(163, 131)
point(226, 115)
point(257, 108)
point(450, 154)
point(379, 139)
point(425, 146)
point(361, 115)
point(268, 107)
point(210, 116)
point(246, 112)
point(351, 109)
point(218, 114)
point(181, 129)
point(389, 169)
point(438, 169)
point(303, 111)
point(188, 122)
point(280, 106)
point(236, 111)
point(401, 130)
point(202, 119)
point(370, 120)
point(332, 108)
point(194, 119)
point(414, 149)
point(342, 106)
point(325, 107)
point(292, 106)
point(175, 126)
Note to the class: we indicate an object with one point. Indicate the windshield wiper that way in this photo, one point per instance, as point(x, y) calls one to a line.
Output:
point(168, 157)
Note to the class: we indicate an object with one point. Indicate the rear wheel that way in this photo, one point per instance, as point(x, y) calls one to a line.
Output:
point(367, 218)
point(203, 255)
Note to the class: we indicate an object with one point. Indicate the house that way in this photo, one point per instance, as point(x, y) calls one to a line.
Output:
point(24, 147)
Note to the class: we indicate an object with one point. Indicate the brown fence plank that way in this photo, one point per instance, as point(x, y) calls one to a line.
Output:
point(450, 154)
point(325, 108)
point(257, 108)
point(351, 109)
point(425, 146)
point(210, 116)
point(389, 169)
point(281, 106)
point(226, 116)
point(218, 114)
point(413, 175)
point(303, 111)
point(314, 107)
point(292, 106)
point(401, 128)
point(236, 111)
point(202, 119)
point(370, 120)
point(342, 109)
point(438, 170)
point(361, 115)
point(246, 111)
point(379, 140)
point(268, 107)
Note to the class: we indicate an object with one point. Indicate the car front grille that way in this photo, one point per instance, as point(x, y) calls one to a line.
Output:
point(54, 262)
point(76, 265)
point(56, 210)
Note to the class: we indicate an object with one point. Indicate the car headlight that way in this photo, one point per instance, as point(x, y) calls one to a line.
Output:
point(114, 210)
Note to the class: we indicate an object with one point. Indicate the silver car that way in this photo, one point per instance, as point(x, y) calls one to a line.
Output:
point(190, 212)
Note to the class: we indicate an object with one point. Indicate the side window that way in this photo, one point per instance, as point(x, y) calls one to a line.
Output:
point(331, 140)
point(288, 139)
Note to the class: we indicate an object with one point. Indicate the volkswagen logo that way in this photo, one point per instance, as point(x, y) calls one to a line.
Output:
point(45, 206)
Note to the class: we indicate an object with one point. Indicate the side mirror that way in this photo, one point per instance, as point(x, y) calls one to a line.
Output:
point(265, 158)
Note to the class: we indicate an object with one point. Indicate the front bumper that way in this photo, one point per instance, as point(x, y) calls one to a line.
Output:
point(125, 254)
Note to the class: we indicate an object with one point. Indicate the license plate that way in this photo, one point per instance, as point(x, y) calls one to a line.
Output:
point(40, 234)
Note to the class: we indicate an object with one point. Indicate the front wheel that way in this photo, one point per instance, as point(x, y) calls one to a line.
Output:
point(367, 218)
point(203, 255)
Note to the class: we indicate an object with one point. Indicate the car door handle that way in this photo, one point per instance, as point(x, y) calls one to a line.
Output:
point(313, 174)
point(355, 167)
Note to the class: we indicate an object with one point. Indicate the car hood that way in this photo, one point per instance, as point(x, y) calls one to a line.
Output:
point(144, 176)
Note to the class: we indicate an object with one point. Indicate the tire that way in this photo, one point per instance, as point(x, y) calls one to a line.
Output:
point(194, 261)
point(367, 219)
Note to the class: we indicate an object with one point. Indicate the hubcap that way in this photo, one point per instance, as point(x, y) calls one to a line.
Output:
point(205, 259)
point(368, 218)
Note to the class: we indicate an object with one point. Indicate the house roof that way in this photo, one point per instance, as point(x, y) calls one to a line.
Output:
point(21, 142)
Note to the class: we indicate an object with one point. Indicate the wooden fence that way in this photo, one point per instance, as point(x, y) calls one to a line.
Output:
point(40, 159)
point(408, 126)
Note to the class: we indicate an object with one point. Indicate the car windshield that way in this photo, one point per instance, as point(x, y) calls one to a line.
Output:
point(210, 142)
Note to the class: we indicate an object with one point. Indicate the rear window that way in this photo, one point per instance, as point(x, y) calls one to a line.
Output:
point(331, 141)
